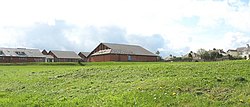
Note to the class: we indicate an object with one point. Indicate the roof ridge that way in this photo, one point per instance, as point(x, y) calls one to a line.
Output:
point(122, 44)
point(62, 51)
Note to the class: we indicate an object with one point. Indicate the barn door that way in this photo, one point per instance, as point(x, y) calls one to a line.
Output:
point(129, 58)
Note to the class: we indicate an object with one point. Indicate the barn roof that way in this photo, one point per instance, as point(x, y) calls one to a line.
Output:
point(20, 52)
point(65, 54)
point(124, 49)
point(86, 54)
point(49, 56)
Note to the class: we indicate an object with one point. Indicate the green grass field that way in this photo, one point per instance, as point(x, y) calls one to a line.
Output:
point(126, 84)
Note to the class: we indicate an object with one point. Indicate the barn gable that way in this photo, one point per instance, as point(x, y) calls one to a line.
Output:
point(110, 48)
point(121, 52)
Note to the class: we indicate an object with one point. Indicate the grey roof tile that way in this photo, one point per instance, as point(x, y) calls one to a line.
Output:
point(85, 53)
point(21, 52)
point(125, 49)
point(65, 54)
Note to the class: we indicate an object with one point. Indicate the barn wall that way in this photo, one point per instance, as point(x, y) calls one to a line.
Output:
point(66, 60)
point(63, 59)
point(7, 59)
point(100, 58)
point(98, 48)
point(122, 58)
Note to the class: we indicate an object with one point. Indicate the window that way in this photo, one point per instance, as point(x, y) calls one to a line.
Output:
point(129, 58)
point(20, 53)
point(22, 58)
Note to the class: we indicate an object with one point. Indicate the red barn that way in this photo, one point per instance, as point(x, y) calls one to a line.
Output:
point(121, 52)
point(64, 56)
point(20, 55)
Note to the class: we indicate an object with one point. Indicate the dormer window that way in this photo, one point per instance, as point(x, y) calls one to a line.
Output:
point(20, 53)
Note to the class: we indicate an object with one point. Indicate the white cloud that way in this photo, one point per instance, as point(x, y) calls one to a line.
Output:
point(132, 17)
point(236, 39)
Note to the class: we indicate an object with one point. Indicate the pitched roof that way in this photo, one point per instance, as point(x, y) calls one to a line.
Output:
point(86, 54)
point(65, 54)
point(232, 50)
point(20, 52)
point(125, 49)
point(49, 56)
point(240, 49)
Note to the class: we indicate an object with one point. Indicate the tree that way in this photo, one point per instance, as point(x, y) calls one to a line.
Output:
point(203, 54)
point(159, 57)
point(157, 52)
point(213, 55)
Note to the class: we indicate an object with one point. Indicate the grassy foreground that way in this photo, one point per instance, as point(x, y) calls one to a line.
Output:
point(126, 84)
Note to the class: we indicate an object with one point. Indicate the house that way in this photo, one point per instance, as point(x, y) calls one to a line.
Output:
point(20, 55)
point(121, 52)
point(241, 52)
point(191, 56)
point(244, 52)
point(220, 51)
point(233, 53)
point(84, 56)
point(169, 58)
point(64, 56)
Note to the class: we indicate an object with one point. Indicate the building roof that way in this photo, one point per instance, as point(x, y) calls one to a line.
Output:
point(240, 49)
point(49, 56)
point(20, 52)
point(232, 50)
point(86, 54)
point(124, 49)
point(65, 54)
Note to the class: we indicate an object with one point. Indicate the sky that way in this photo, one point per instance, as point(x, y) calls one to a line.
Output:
point(170, 26)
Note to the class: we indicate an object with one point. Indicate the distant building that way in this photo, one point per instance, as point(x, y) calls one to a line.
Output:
point(64, 56)
point(48, 58)
point(220, 51)
point(170, 58)
point(20, 55)
point(191, 56)
point(233, 53)
point(84, 56)
point(244, 52)
point(121, 52)
point(241, 52)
